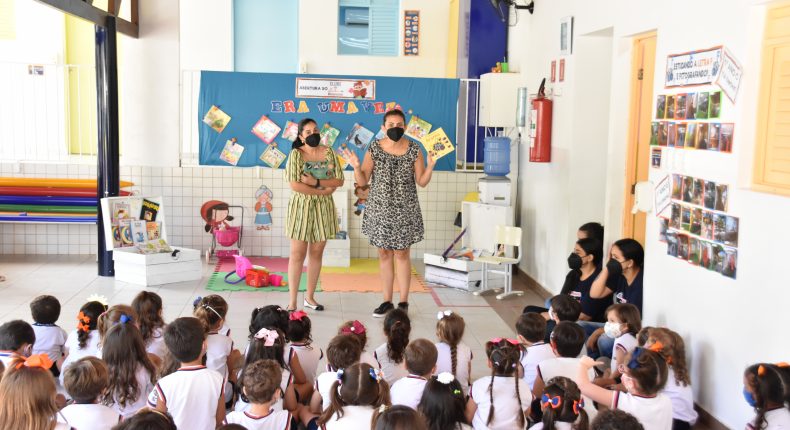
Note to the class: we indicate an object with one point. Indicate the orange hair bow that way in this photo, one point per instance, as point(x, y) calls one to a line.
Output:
point(84, 320)
point(39, 360)
point(657, 346)
point(761, 368)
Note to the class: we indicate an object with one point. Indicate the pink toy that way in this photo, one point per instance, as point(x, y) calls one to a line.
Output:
point(243, 264)
point(275, 280)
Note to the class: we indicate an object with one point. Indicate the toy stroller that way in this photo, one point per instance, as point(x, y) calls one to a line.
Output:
point(216, 214)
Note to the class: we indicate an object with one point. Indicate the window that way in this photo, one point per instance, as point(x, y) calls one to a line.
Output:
point(368, 27)
point(772, 158)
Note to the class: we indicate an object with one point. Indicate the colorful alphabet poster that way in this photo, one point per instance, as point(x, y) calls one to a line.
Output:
point(411, 32)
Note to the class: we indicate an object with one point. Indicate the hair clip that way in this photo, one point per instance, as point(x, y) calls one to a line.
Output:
point(340, 373)
point(497, 340)
point(38, 360)
point(761, 370)
point(555, 402)
point(634, 363)
point(657, 346)
point(196, 301)
point(442, 314)
point(782, 364)
point(268, 336)
point(445, 378)
point(355, 328)
point(98, 298)
point(124, 319)
point(208, 307)
point(375, 376)
point(457, 392)
point(578, 405)
point(83, 318)
point(297, 316)
point(382, 409)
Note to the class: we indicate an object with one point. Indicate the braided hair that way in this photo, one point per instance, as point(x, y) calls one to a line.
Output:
point(504, 358)
point(450, 330)
point(770, 385)
point(87, 321)
point(358, 385)
point(569, 408)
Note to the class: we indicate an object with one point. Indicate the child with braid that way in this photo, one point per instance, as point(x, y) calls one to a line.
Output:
point(358, 396)
point(84, 341)
point(454, 356)
point(563, 406)
point(500, 401)
point(766, 388)
point(389, 355)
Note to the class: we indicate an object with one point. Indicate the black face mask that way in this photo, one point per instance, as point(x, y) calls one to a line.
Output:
point(313, 140)
point(395, 133)
point(575, 261)
point(614, 267)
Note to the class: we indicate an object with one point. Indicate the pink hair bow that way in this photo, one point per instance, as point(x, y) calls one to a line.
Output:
point(356, 328)
point(268, 336)
point(297, 316)
point(513, 342)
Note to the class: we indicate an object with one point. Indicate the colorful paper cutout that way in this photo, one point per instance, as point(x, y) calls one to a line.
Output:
point(273, 157)
point(231, 152)
point(266, 129)
point(216, 119)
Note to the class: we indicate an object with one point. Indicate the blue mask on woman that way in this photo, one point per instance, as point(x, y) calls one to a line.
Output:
point(749, 398)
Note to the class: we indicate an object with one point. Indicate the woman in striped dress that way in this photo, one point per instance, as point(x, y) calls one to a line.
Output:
point(313, 171)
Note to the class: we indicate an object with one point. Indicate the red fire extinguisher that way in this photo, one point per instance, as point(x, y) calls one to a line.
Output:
point(540, 127)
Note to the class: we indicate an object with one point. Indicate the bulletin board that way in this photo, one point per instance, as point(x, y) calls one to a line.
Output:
point(345, 103)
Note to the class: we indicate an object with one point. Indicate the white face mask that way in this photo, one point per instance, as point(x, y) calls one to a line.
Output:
point(612, 329)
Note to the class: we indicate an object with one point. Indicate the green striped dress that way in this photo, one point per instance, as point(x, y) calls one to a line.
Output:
point(311, 218)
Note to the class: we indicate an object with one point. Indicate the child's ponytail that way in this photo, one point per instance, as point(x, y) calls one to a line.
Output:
point(771, 386)
point(450, 330)
point(397, 328)
point(562, 402)
point(299, 328)
point(210, 310)
point(504, 355)
point(358, 385)
point(87, 320)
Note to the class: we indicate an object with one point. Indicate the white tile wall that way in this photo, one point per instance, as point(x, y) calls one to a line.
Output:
point(185, 189)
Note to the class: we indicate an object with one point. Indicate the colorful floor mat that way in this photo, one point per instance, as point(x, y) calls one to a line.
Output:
point(217, 283)
point(365, 282)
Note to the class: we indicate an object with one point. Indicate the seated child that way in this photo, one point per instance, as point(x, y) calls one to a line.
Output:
point(623, 324)
point(613, 419)
point(563, 308)
point(502, 400)
point(269, 345)
point(678, 387)
point(16, 340)
point(443, 403)
point(299, 328)
point(420, 356)
point(563, 406)
point(398, 417)
point(148, 419)
point(566, 341)
point(531, 328)
point(220, 354)
point(148, 306)
point(50, 338)
point(261, 382)
point(644, 376)
point(85, 380)
point(84, 340)
point(359, 331)
point(27, 395)
point(192, 394)
point(342, 352)
point(356, 395)
point(454, 356)
point(765, 388)
point(389, 355)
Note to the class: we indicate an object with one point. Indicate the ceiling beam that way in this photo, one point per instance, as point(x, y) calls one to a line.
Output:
point(88, 12)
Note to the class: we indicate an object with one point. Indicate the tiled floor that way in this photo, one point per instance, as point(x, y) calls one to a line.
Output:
point(73, 278)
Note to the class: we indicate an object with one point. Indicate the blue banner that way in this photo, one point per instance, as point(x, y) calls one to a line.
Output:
point(355, 113)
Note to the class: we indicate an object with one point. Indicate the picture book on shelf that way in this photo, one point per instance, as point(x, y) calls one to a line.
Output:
point(116, 236)
point(328, 135)
point(120, 210)
point(149, 210)
point(231, 152)
point(153, 230)
point(437, 143)
point(139, 232)
point(418, 128)
point(125, 226)
point(273, 157)
point(216, 119)
point(266, 129)
point(154, 247)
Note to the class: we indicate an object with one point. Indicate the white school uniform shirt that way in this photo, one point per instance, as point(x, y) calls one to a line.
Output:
point(569, 368)
point(559, 425)
point(50, 340)
point(506, 404)
point(309, 357)
point(89, 416)
point(625, 343)
point(144, 383)
point(354, 417)
point(392, 371)
point(776, 419)
point(285, 381)
point(191, 395)
point(682, 399)
point(368, 358)
point(532, 356)
point(655, 413)
point(408, 391)
point(7, 356)
point(274, 420)
point(444, 362)
point(224, 330)
point(218, 348)
point(156, 344)
point(72, 347)
point(323, 384)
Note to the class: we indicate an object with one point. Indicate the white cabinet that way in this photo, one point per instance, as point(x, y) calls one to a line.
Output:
point(498, 97)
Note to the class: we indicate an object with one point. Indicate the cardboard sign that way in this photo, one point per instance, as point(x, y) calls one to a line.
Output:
point(693, 68)
point(663, 195)
point(729, 79)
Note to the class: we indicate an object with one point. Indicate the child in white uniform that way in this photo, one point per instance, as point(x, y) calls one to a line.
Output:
point(85, 380)
point(50, 338)
point(500, 401)
point(269, 345)
point(645, 375)
point(443, 403)
point(678, 387)
point(531, 328)
point(389, 355)
point(299, 328)
point(16, 340)
point(562, 406)
point(27, 395)
point(765, 388)
point(342, 352)
point(260, 387)
point(454, 356)
point(420, 358)
point(84, 341)
point(148, 307)
point(359, 332)
point(193, 394)
point(357, 394)
point(623, 323)
point(220, 355)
